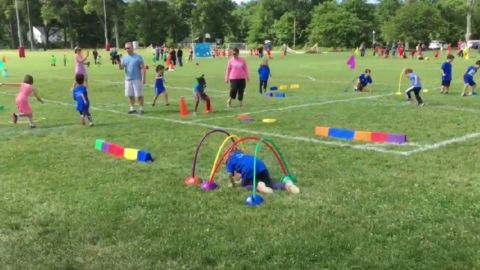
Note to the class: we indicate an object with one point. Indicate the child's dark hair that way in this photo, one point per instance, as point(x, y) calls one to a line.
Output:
point(28, 79)
point(201, 80)
point(79, 78)
point(235, 51)
point(367, 70)
point(159, 67)
point(477, 63)
point(450, 56)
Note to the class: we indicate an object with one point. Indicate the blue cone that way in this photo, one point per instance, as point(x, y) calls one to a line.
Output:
point(254, 200)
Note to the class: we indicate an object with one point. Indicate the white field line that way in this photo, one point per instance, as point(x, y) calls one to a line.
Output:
point(298, 106)
point(370, 147)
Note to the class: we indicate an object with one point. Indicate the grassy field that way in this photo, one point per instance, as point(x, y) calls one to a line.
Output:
point(64, 205)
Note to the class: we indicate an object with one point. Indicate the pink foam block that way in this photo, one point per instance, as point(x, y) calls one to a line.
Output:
point(116, 150)
point(379, 137)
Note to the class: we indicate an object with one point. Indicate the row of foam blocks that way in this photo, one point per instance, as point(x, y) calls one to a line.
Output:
point(365, 136)
point(119, 151)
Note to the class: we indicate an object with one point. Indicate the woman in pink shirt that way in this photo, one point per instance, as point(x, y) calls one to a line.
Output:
point(80, 64)
point(24, 109)
point(237, 74)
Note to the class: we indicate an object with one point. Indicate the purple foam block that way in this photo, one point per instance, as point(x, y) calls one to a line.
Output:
point(105, 147)
point(208, 185)
point(396, 138)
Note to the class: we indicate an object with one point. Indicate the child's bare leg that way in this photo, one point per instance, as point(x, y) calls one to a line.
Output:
point(473, 88)
point(229, 102)
point(465, 87)
point(166, 99)
point(197, 100)
point(154, 100)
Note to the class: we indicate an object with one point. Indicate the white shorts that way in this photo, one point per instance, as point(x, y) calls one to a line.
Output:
point(134, 88)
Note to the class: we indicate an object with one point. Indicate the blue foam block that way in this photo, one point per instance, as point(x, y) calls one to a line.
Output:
point(273, 88)
point(144, 156)
point(280, 95)
point(341, 133)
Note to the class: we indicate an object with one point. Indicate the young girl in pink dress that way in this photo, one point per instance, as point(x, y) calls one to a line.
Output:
point(26, 89)
point(80, 64)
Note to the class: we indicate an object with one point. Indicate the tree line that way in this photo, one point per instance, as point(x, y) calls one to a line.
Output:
point(293, 22)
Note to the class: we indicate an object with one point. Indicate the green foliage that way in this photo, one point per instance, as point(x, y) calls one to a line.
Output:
point(333, 26)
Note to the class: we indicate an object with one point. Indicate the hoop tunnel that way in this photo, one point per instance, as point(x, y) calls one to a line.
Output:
point(233, 137)
point(271, 146)
point(197, 149)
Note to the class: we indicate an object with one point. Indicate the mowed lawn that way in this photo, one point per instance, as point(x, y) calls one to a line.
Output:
point(65, 205)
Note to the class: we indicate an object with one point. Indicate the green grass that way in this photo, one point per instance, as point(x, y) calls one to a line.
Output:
point(64, 205)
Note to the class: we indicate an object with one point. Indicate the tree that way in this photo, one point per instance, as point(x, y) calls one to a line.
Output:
point(213, 17)
point(334, 26)
point(470, 7)
point(413, 22)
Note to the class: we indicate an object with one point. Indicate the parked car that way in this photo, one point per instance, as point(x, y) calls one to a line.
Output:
point(473, 44)
point(436, 44)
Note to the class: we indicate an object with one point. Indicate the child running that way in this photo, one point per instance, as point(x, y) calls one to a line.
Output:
point(159, 85)
point(446, 74)
point(240, 162)
point(26, 89)
point(469, 83)
point(80, 94)
point(264, 74)
point(363, 80)
point(199, 93)
point(416, 86)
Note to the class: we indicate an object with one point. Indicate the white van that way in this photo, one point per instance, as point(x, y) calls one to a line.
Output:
point(436, 44)
point(473, 44)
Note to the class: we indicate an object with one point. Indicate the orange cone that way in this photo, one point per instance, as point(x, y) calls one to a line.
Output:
point(183, 107)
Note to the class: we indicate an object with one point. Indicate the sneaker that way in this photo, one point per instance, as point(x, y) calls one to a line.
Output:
point(14, 118)
point(474, 93)
point(261, 187)
point(292, 188)
point(91, 124)
point(33, 126)
point(153, 104)
point(463, 95)
point(142, 111)
point(421, 104)
point(167, 104)
point(132, 111)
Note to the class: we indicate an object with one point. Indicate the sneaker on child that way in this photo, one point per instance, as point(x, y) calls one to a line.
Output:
point(261, 187)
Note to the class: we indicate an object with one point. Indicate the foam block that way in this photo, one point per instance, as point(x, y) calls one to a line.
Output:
point(116, 150)
point(321, 131)
point(98, 144)
point(130, 154)
point(144, 156)
point(379, 137)
point(397, 138)
point(105, 147)
point(283, 87)
point(294, 86)
point(341, 133)
point(280, 95)
point(364, 136)
point(273, 88)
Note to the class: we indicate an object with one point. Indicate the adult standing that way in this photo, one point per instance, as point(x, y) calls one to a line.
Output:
point(80, 64)
point(237, 74)
point(173, 56)
point(180, 56)
point(95, 55)
point(133, 65)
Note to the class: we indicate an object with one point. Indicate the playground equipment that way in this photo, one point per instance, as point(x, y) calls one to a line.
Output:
point(236, 142)
point(365, 136)
point(119, 151)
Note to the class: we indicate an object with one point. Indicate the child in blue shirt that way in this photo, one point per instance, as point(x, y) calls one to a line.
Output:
point(242, 163)
point(80, 95)
point(446, 74)
point(469, 83)
point(363, 80)
point(264, 74)
point(159, 85)
point(199, 93)
point(416, 86)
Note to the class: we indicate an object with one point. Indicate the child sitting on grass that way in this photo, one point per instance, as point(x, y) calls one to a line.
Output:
point(242, 163)
point(363, 80)
point(80, 95)
point(26, 90)
point(159, 85)
point(415, 87)
point(199, 93)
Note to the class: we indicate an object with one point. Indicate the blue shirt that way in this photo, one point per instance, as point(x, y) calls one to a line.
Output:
point(78, 91)
point(471, 70)
point(198, 89)
point(365, 79)
point(264, 72)
point(414, 80)
point(447, 70)
point(243, 164)
point(159, 83)
point(133, 67)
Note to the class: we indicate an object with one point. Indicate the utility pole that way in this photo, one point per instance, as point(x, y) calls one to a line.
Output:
point(107, 45)
point(20, 43)
point(30, 26)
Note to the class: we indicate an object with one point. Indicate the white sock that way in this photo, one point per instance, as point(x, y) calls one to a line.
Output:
point(132, 108)
point(141, 108)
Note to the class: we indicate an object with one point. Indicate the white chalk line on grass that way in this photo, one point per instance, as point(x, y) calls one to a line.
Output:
point(298, 106)
point(437, 145)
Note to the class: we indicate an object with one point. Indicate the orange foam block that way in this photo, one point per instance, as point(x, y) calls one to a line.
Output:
point(322, 131)
point(364, 136)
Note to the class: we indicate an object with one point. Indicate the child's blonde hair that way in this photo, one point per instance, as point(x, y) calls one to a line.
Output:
point(265, 62)
point(408, 71)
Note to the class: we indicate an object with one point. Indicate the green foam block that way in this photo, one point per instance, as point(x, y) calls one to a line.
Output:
point(98, 144)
